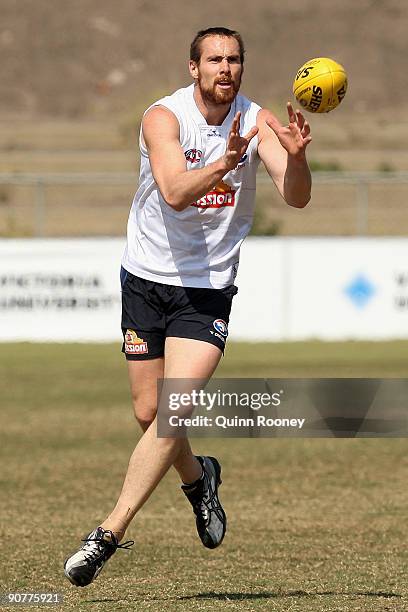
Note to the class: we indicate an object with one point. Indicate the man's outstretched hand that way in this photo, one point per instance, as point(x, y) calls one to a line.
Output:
point(237, 144)
point(294, 137)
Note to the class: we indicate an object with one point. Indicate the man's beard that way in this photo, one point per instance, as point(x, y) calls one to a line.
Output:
point(215, 95)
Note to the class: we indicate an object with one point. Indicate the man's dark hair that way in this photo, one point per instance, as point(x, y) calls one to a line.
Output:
point(195, 48)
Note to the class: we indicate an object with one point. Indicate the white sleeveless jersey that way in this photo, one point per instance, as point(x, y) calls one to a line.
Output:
point(199, 246)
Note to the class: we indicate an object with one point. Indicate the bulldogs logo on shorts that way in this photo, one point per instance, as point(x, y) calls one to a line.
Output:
point(221, 327)
point(135, 345)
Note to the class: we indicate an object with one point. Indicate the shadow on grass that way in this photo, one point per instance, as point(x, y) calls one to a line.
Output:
point(282, 594)
point(227, 596)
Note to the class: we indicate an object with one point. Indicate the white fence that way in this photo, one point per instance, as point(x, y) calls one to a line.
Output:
point(289, 289)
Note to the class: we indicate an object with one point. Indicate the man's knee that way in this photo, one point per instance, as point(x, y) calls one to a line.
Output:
point(144, 423)
point(143, 376)
point(144, 411)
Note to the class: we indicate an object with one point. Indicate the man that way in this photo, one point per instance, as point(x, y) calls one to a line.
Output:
point(200, 149)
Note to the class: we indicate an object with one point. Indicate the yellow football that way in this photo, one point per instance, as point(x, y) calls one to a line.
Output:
point(320, 85)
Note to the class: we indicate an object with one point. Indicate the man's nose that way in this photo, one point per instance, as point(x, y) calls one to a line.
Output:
point(225, 66)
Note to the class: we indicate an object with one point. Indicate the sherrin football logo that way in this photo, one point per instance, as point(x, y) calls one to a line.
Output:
point(134, 344)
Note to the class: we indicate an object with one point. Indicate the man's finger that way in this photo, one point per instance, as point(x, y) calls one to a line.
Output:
point(273, 123)
point(252, 132)
point(306, 129)
point(236, 123)
point(291, 113)
point(300, 119)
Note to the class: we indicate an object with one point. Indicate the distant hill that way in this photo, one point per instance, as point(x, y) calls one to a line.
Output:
point(94, 58)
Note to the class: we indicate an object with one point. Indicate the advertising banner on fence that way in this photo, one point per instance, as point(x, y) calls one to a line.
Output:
point(60, 290)
point(322, 288)
point(289, 289)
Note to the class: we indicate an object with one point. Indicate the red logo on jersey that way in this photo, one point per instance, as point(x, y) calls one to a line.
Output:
point(193, 155)
point(221, 195)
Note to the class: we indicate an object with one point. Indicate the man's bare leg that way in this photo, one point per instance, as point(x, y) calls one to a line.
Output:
point(153, 456)
point(143, 376)
point(179, 353)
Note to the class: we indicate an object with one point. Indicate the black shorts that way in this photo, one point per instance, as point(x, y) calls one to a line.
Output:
point(152, 312)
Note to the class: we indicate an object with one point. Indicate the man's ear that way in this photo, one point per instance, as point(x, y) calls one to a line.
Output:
point(193, 68)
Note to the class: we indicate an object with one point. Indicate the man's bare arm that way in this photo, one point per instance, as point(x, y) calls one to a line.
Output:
point(181, 187)
point(283, 151)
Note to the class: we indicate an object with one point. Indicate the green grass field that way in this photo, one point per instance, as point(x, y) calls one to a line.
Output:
point(314, 524)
